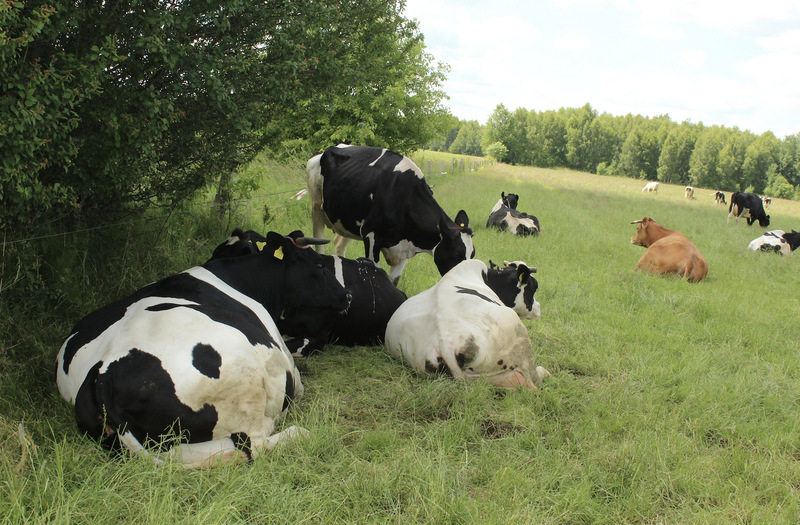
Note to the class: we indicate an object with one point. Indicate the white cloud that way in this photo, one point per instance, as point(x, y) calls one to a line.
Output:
point(571, 41)
point(692, 58)
point(788, 41)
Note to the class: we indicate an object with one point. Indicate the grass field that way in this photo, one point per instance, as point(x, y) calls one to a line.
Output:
point(670, 402)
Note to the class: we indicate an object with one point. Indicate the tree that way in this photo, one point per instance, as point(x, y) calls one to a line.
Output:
point(673, 163)
point(497, 151)
point(761, 160)
point(704, 163)
point(147, 101)
point(468, 141)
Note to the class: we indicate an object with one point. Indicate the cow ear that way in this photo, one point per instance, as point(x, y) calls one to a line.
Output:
point(462, 219)
point(275, 245)
point(493, 266)
point(523, 272)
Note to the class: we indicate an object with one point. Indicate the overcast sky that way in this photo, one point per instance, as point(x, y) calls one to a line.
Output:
point(727, 62)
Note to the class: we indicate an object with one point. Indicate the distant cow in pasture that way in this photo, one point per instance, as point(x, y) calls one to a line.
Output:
point(374, 300)
point(749, 206)
point(767, 201)
point(668, 251)
point(689, 193)
point(650, 187)
point(776, 241)
point(506, 217)
point(192, 367)
point(468, 325)
point(719, 198)
point(381, 197)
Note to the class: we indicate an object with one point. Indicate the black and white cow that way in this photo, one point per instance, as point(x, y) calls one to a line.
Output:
point(468, 326)
point(776, 241)
point(374, 300)
point(507, 217)
point(192, 367)
point(381, 197)
point(689, 193)
point(749, 206)
point(719, 198)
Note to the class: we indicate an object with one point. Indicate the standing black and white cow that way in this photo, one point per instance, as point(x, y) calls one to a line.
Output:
point(469, 325)
point(193, 365)
point(381, 197)
point(507, 217)
point(374, 300)
point(776, 241)
point(749, 206)
point(719, 198)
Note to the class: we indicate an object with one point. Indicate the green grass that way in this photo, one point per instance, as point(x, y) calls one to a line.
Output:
point(670, 402)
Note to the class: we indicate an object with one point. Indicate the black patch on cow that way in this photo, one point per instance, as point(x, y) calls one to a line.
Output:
point(88, 415)
point(288, 395)
point(206, 360)
point(437, 368)
point(208, 300)
point(470, 291)
point(468, 352)
point(138, 395)
point(528, 292)
point(241, 441)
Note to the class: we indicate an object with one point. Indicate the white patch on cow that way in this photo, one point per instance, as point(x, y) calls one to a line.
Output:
point(337, 269)
point(406, 164)
point(402, 251)
point(514, 222)
point(462, 316)
point(383, 152)
point(497, 206)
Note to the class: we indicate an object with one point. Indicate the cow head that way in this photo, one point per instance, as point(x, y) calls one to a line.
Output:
point(793, 239)
point(515, 286)
point(763, 220)
point(511, 200)
point(643, 235)
point(307, 283)
point(455, 244)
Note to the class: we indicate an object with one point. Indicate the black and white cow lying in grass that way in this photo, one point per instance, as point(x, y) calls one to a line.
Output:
point(505, 216)
point(776, 241)
point(192, 367)
point(374, 300)
point(469, 326)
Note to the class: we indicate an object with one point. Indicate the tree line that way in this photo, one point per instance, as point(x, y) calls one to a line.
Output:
point(648, 148)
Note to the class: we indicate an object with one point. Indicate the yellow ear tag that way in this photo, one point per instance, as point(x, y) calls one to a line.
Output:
point(279, 253)
point(520, 277)
point(462, 224)
point(260, 245)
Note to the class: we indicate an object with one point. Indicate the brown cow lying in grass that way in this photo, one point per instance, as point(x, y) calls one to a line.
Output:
point(668, 251)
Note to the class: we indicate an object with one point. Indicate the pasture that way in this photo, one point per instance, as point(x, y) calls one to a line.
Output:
point(670, 402)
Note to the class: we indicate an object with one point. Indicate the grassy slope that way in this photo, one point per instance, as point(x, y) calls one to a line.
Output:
point(670, 402)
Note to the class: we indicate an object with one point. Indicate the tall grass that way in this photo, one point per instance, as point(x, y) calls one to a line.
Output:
point(670, 402)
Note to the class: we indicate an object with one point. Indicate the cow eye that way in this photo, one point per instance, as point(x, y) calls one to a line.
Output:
point(319, 265)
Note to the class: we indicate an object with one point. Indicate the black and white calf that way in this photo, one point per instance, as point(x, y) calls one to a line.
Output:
point(374, 300)
point(719, 198)
point(776, 241)
point(506, 217)
point(749, 206)
point(192, 367)
point(468, 325)
point(381, 197)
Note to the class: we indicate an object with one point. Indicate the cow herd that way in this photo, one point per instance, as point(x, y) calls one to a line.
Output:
point(199, 367)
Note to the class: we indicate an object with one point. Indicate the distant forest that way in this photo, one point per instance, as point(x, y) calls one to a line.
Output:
point(716, 157)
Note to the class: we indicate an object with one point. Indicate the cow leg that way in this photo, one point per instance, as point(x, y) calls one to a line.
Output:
point(219, 451)
point(340, 243)
point(396, 271)
point(318, 225)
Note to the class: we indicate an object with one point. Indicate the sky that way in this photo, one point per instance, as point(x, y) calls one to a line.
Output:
point(724, 62)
